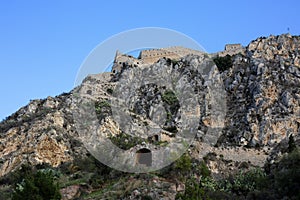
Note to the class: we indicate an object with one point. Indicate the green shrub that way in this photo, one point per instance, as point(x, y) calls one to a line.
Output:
point(103, 109)
point(146, 197)
point(171, 105)
point(193, 191)
point(38, 185)
point(204, 171)
point(5, 192)
point(174, 62)
point(125, 141)
point(169, 97)
point(292, 145)
point(244, 182)
point(223, 63)
point(206, 188)
point(90, 164)
point(99, 105)
point(184, 163)
point(209, 183)
point(287, 175)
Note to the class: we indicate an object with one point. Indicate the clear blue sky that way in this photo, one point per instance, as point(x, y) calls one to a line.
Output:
point(43, 43)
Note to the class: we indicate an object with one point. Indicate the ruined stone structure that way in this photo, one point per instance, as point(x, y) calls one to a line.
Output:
point(229, 47)
point(122, 59)
point(151, 56)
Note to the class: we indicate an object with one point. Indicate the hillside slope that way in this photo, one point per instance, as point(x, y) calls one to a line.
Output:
point(262, 96)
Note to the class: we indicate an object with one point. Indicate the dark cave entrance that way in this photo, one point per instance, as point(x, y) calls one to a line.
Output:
point(144, 157)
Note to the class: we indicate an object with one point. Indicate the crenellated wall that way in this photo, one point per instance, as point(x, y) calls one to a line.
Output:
point(151, 56)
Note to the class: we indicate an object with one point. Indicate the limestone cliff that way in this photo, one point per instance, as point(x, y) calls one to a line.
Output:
point(263, 110)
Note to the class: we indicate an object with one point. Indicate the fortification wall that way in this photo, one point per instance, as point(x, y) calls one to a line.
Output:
point(232, 49)
point(151, 56)
point(177, 52)
point(122, 59)
point(231, 52)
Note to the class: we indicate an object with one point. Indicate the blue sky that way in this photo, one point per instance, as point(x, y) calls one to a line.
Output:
point(43, 43)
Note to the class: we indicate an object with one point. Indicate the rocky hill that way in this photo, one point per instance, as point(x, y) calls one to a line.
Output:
point(255, 133)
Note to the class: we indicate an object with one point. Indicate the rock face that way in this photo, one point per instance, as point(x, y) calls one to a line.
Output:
point(41, 132)
point(263, 109)
point(263, 90)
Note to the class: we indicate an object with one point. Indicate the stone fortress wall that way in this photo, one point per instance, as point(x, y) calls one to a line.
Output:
point(232, 49)
point(151, 56)
point(122, 59)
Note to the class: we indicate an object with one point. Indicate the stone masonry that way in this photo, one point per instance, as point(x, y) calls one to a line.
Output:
point(151, 56)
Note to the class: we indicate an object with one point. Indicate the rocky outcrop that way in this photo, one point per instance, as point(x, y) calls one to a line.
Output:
point(283, 48)
point(41, 132)
point(263, 110)
point(263, 91)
